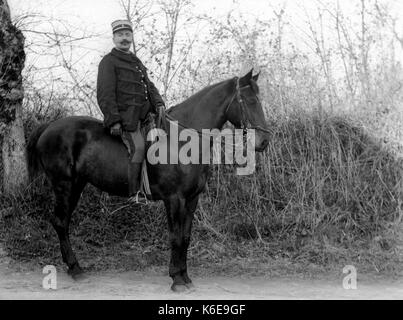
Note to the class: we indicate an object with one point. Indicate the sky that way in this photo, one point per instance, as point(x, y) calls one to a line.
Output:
point(97, 15)
point(98, 12)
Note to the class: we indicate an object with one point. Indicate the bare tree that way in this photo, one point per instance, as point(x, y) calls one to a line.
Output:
point(279, 53)
point(136, 12)
point(12, 59)
point(387, 19)
point(172, 10)
point(322, 50)
point(342, 51)
point(57, 67)
point(166, 45)
point(365, 47)
point(80, 83)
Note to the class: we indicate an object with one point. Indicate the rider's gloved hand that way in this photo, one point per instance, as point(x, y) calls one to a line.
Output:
point(160, 107)
point(116, 129)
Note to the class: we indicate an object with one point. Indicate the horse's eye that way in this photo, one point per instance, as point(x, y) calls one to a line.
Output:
point(250, 99)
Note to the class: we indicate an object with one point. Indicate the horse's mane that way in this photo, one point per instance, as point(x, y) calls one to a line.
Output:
point(196, 96)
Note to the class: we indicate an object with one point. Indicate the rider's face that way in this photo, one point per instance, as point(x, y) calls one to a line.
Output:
point(123, 39)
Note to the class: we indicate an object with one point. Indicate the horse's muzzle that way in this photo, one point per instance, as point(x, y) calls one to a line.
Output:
point(261, 142)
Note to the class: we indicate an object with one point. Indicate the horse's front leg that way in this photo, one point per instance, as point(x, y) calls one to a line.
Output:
point(179, 227)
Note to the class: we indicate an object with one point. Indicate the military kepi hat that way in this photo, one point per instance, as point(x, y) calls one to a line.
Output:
point(118, 25)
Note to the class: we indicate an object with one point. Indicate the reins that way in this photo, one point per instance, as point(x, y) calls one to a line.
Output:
point(244, 120)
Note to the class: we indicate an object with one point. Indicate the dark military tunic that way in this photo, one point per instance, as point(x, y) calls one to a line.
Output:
point(125, 94)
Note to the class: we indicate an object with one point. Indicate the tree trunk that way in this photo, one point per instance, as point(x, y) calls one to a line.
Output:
point(12, 58)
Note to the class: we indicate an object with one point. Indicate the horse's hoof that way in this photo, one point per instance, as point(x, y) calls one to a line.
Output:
point(190, 285)
point(76, 273)
point(179, 288)
point(79, 276)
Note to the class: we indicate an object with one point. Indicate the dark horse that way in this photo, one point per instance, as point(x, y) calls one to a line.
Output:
point(74, 151)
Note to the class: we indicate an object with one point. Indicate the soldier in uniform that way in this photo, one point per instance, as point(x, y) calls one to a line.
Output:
point(125, 95)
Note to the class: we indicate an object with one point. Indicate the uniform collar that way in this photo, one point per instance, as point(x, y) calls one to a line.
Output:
point(130, 57)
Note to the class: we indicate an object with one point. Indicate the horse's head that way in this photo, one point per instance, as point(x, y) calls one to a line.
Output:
point(245, 110)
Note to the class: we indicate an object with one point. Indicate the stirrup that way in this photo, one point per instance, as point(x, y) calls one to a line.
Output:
point(139, 198)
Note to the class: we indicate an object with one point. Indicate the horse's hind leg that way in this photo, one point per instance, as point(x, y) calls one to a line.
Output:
point(190, 208)
point(67, 195)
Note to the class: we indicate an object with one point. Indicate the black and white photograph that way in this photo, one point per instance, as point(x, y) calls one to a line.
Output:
point(178, 151)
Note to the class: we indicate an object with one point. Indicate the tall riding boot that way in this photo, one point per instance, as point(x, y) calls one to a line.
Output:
point(134, 178)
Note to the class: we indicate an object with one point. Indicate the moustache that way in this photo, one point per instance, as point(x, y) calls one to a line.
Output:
point(125, 42)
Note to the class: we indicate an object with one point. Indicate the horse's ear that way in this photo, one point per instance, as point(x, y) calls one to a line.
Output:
point(244, 81)
point(256, 77)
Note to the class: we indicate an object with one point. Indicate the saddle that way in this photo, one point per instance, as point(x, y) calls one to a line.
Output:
point(146, 125)
point(151, 122)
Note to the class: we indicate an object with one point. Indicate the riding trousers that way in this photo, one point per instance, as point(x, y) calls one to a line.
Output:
point(135, 144)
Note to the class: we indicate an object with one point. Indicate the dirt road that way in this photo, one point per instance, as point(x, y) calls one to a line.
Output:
point(153, 285)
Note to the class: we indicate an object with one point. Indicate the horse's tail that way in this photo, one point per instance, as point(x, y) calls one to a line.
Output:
point(34, 163)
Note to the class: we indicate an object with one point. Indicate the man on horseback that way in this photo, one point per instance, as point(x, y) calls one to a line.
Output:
point(126, 95)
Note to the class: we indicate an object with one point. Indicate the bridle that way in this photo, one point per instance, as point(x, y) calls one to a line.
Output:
point(244, 120)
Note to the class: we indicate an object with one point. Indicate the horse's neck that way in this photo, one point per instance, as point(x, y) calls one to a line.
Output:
point(205, 110)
